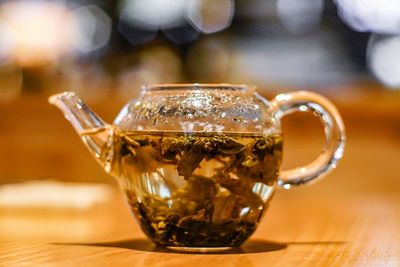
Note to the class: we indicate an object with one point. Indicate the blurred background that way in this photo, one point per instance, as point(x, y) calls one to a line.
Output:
point(347, 50)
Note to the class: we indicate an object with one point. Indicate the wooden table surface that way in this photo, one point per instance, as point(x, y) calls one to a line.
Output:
point(351, 218)
point(304, 228)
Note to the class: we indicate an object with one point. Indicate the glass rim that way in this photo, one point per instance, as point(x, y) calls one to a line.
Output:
point(198, 86)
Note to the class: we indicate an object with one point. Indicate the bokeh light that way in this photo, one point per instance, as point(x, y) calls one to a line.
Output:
point(379, 16)
point(38, 32)
point(210, 16)
point(94, 28)
point(5, 45)
point(300, 16)
point(383, 56)
point(33, 30)
point(181, 21)
point(153, 14)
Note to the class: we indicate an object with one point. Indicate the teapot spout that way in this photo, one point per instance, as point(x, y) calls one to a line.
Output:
point(95, 133)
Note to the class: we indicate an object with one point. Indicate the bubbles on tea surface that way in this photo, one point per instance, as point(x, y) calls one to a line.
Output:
point(197, 103)
point(198, 109)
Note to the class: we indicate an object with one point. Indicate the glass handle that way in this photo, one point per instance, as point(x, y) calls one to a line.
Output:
point(335, 138)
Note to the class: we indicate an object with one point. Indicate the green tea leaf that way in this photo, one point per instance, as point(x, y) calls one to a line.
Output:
point(227, 145)
point(191, 158)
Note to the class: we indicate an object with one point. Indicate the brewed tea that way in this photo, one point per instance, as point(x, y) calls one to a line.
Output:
point(197, 190)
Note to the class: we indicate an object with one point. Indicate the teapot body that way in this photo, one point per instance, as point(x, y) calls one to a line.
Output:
point(198, 164)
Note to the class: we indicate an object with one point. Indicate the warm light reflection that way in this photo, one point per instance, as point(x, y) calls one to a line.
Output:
point(36, 32)
point(5, 45)
point(53, 195)
point(384, 59)
point(45, 224)
point(33, 30)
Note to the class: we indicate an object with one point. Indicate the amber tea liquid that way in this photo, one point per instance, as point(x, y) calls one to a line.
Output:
point(199, 189)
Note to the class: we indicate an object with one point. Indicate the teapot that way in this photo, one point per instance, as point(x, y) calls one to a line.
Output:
point(199, 163)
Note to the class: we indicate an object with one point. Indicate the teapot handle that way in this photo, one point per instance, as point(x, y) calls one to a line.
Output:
point(332, 152)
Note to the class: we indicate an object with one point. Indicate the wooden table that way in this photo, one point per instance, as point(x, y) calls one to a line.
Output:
point(302, 228)
point(352, 218)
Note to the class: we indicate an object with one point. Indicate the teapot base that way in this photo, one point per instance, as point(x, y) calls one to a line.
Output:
point(199, 249)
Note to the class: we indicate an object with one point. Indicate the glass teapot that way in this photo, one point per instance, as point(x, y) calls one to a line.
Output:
point(199, 162)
